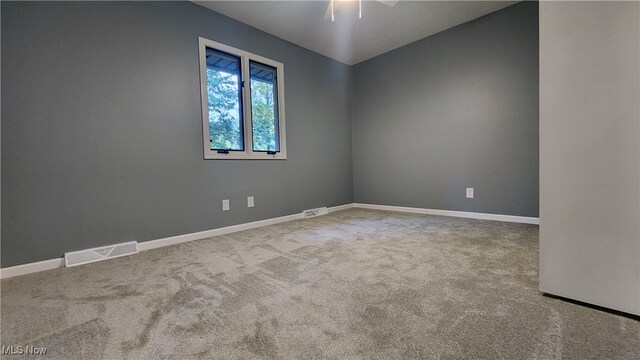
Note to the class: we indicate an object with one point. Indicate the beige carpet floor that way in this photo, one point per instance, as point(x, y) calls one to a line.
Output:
point(354, 284)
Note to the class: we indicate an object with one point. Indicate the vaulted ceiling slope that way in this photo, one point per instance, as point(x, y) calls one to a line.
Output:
point(349, 39)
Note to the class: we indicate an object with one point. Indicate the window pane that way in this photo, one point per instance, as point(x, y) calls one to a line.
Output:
point(224, 95)
point(264, 107)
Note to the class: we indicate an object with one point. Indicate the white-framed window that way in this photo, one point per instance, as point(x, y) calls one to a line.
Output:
point(242, 104)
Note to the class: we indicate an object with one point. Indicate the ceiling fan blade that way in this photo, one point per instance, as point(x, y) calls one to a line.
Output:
point(390, 3)
point(327, 14)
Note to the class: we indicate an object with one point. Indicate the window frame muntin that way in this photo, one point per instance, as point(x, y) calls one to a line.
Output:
point(245, 57)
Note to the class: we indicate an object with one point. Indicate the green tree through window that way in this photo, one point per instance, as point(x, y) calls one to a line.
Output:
point(263, 110)
point(223, 95)
point(264, 107)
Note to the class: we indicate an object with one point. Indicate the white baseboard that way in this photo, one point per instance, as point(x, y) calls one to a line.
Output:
point(153, 244)
point(341, 207)
point(31, 268)
point(173, 240)
point(462, 214)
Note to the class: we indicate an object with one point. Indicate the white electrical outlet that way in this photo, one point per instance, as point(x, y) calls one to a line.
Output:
point(469, 193)
point(225, 205)
point(250, 201)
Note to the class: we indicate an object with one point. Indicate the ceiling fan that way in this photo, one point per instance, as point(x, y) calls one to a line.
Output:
point(348, 4)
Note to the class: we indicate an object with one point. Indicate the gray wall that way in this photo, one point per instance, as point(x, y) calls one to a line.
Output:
point(102, 135)
point(457, 109)
point(590, 152)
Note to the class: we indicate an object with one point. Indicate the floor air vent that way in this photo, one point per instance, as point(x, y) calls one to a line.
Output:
point(315, 212)
point(75, 258)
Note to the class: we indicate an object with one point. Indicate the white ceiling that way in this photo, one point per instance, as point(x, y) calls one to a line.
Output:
point(351, 40)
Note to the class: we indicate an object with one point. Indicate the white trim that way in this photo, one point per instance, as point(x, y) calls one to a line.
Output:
point(179, 239)
point(31, 268)
point(153, 244)
point(245, 58)
point(461, 214)
point(341, 207)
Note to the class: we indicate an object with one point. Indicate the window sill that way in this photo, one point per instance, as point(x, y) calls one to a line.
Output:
point(244, 156)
